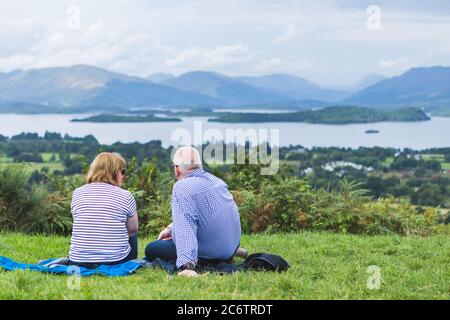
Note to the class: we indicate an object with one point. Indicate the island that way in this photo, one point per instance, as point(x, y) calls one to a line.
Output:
point(111, 118)
point(331, 115)
point(372, 131)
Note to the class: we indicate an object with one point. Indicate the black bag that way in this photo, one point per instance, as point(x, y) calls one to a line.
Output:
point(266, 261)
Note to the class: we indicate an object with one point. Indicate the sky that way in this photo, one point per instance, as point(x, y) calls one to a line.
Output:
point(330, 42)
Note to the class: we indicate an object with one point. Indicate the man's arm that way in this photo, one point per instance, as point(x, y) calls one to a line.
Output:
point(166, 234)
point(184, 218)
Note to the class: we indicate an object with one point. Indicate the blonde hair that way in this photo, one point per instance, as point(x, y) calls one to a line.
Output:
point(105, 168)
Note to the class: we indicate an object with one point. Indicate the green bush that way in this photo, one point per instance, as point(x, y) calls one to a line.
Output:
point(281, 203)
point(32, 208)
point(152, 191)
point(291, 205)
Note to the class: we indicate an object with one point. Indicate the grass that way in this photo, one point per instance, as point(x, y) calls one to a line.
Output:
point(437, 157)
point(52, 166)
point(4, 159)
point(47, 156)
point(32, 166)
point(324, 266)
point(388, 161)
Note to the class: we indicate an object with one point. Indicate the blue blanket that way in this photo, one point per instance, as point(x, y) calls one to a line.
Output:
point(57, 266)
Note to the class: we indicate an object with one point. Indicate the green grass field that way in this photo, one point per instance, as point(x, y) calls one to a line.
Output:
point(324, 266)
point(32, 166)
point(388, 161)
point(47, 156)
point(4, 159)
point(52, 166)
point(437, 157)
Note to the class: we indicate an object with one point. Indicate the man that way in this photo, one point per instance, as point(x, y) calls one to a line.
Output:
point(205, 219)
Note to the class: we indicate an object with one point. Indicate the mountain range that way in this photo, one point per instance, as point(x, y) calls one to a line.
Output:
point(424, 87)
point(89, 88)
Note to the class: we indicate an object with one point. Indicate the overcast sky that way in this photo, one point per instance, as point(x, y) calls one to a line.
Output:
point(327, 41)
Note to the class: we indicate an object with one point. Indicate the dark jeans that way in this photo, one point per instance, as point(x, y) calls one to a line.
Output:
point(166, 250)
point(133, 241)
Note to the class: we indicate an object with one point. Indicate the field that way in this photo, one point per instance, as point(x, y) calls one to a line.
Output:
point(324, 266)
point(52, 164)
point(47, 157)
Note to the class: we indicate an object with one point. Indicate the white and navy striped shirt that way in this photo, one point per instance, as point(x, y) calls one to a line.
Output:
point(100, 212)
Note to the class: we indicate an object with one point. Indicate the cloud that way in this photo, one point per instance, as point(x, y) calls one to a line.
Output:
point(220, 56)
point(41, 44)
point(290, 32)
point(324, 40)
point(400, 62)
point(234, 59)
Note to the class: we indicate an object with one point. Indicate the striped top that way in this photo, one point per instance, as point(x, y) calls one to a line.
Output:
point(100, 212)
point(206, 221)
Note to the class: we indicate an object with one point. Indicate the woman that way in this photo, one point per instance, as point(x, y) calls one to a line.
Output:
point(105, 221)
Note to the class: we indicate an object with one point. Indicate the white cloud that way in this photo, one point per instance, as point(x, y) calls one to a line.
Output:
point(43, 44)
point(289, 33)
point(400, 62)
point(219, 58)
point(324, 40)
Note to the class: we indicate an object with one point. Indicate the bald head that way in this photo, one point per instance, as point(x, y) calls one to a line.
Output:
point(187, 158)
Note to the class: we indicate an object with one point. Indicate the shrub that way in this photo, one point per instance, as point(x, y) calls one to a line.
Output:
point(280, 203)
point(30, 208)
point(28, 157)
point(291, 205)
point(152, 191)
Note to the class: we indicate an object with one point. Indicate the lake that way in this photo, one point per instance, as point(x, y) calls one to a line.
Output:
point(416, 135)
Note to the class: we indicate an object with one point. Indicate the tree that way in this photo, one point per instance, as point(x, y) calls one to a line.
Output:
point(52, 136)
point(29, 157)
point(429, 194)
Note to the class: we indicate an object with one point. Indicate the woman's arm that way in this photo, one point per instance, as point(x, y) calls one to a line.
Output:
point(132, 225)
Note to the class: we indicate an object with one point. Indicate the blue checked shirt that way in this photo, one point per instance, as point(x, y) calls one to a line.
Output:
point(206, 221)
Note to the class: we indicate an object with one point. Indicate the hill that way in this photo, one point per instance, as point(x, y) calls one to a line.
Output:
point(294, 88)
point(331, 115)
point(425, 87)
point(82, 86)
point(228, 90)
point(331, 266)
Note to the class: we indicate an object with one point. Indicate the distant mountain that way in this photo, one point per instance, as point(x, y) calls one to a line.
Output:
point(160, 77)
point(428, 86)
point(83, 88)
point(87, 86)
point(368, 81)
point(295, 88)
point(227, 89)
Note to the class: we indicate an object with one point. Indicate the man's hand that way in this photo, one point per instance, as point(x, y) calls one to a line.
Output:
point(166, 234)
point(188, 273)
